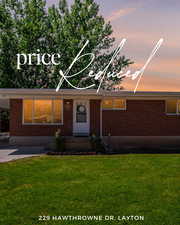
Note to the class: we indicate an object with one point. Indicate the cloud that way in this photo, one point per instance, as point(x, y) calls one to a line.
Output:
point(153, 83)
point(141, 37)
point(161, 75)
point(119, 13)
point(159, 65)
point(148, 37)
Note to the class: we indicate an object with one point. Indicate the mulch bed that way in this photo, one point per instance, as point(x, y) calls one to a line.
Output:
point(71, 153)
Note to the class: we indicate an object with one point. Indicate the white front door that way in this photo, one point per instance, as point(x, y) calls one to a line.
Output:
point(81, 117)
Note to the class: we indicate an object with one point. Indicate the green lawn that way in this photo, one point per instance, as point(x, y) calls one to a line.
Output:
point(146, 185)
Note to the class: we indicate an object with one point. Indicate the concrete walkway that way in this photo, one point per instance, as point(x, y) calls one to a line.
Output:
point(13, 153)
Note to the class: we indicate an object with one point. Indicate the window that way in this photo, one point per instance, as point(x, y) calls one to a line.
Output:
point(81, 113)
point(107, 104)
point(28, 106)
point(173, 106)
point(114, 104)
point(42, 111)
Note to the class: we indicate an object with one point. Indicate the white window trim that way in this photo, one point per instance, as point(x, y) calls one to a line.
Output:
point(42, 124)
point(116, 109)
point(176, 113)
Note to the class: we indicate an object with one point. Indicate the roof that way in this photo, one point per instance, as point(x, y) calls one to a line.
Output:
point(88, 93)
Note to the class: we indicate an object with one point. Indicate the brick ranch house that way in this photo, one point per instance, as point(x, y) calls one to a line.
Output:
point(143, 118)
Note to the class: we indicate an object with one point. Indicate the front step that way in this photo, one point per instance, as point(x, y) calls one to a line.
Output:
point(78, 144)
point(80, 134)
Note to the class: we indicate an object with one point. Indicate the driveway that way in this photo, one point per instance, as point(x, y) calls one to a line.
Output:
point(12, 153)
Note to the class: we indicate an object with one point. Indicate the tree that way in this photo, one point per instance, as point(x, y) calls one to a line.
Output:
point(23, 27)
point(27, 26)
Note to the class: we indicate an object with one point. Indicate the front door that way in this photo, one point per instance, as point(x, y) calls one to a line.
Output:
point(81, 117)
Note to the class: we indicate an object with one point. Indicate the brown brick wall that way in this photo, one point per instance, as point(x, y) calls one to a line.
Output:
point(142, 118)
point(95, 106)
point(18, 129)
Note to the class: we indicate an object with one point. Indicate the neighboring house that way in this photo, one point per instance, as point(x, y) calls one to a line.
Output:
point(143, 118)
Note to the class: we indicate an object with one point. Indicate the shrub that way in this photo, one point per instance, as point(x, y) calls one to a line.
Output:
point(59, 141)
point(97, 144)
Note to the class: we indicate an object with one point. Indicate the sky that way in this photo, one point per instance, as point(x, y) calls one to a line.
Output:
point(143, 23)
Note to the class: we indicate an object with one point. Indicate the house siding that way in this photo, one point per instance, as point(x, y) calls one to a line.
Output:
point(95, 110)
point(17, 128)
point(141, 118)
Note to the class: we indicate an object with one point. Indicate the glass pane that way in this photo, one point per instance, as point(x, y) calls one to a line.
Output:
point(171, 106)
point(28, 108)
point(107, 104)
point(42, 111)
point(81, 114)
point(119, 104)
point(57, 117)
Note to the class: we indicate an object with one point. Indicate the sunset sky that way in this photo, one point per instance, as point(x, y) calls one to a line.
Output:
point(143, 23)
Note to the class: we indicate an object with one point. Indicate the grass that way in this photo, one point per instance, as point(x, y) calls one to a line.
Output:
point(147, 185)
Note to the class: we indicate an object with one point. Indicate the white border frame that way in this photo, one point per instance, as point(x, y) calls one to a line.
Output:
point(42, 124)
